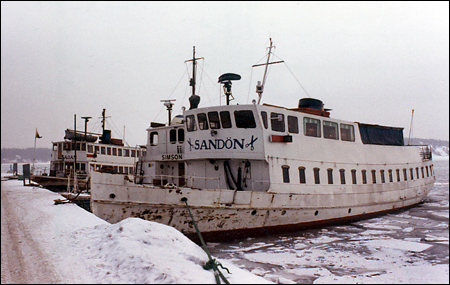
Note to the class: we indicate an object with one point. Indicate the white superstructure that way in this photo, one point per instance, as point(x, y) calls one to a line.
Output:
point(252, 169)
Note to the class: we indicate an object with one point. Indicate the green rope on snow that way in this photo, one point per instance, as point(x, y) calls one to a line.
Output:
point(212, 263)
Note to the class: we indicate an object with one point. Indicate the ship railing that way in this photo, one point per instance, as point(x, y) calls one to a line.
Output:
point(425, 152)
point(39, 171)
point(164, 180)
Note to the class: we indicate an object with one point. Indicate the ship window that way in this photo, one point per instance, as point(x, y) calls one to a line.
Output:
point(354, 176)
point(225, 119)
point(108, 151)
point(55, 146)
point(119, 152)
point(411, 172)
point(114, 150)
point(301, 171)
point(311, 127)
point(190, 123)
point(90, 148)
point(83, 146)
point(293, 124)
point(83, 166)
point(405, 174)
point(120, 169)
point(383, 180)
point(202, 121)
point(431, 169)
point(330, 175)
point(417, 172)
point(364, 176)
point(103, 149)
point(173, 136)
point(97, 149)
point(244, 119)
point(398, 174)
point(180, 135)
point(126, 152)
point(428, 174)
point(153, 141)
point(347, 133)
point(125, 169)
point(342, 174)
point(133, 153)
point(213, 118)
point(330, 130)
point(277, 122)
point(264, 118)
point(423, 175)
point(285, 174)
point(374, 176)
point(316, 175)
point(391, 178)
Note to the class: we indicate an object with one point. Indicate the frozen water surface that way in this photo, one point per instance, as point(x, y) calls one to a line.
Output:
point(411, 246)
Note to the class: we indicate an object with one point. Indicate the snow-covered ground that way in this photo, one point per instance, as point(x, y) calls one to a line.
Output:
point(78, 247)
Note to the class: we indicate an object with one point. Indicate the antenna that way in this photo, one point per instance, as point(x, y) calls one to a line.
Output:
point(169, 104)
point(225, 79)
point(259, 86)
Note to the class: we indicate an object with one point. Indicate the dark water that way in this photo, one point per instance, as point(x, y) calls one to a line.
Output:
point(411, 246)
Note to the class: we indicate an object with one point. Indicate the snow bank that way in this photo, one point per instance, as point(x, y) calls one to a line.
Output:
point(86, 249)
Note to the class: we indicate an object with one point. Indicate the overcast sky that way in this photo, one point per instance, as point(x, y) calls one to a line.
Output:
point(370, 62)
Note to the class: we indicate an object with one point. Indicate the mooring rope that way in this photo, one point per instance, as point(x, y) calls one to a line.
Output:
point(212, 263)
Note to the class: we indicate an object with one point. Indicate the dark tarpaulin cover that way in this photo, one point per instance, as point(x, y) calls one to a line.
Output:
point(375, 134)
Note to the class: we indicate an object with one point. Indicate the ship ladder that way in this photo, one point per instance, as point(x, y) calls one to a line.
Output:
point(212, 263)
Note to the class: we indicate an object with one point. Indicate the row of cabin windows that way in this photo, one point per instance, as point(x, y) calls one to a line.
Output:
point(412, 175)
point(311, 127)
point(216, 120)
point(175, 135)
point(82, 166)
point(116, 169)
point(114, 151)
point(106, 150)
point(245, 119)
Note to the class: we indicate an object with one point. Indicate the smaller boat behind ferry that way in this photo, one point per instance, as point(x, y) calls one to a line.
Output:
point(254, 169)
point(81, 153)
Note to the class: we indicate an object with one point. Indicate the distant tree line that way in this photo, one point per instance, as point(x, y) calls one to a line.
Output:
point(433, 142)
point(25, 154)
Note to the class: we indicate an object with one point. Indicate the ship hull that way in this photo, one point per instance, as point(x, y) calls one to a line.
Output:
point(229, 214)
point(59, 184)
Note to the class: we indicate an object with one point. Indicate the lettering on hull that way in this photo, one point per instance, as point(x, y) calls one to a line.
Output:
point(172, 156)
point(228, 143)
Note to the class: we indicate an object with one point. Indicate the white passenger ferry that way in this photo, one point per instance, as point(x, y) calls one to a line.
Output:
point(83, 152)
point(257, 169)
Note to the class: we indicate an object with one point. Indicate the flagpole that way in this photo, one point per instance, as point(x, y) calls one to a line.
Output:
point(34, 151)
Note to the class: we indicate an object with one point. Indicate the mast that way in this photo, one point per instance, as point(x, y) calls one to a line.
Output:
point(410, 126)
point(194, 100)
point(259, 86)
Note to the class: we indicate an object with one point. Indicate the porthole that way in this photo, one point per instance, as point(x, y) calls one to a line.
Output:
point(112, 195)
point(254, 212)
point(283, 212)
point(349, 210)
point(316, 213)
